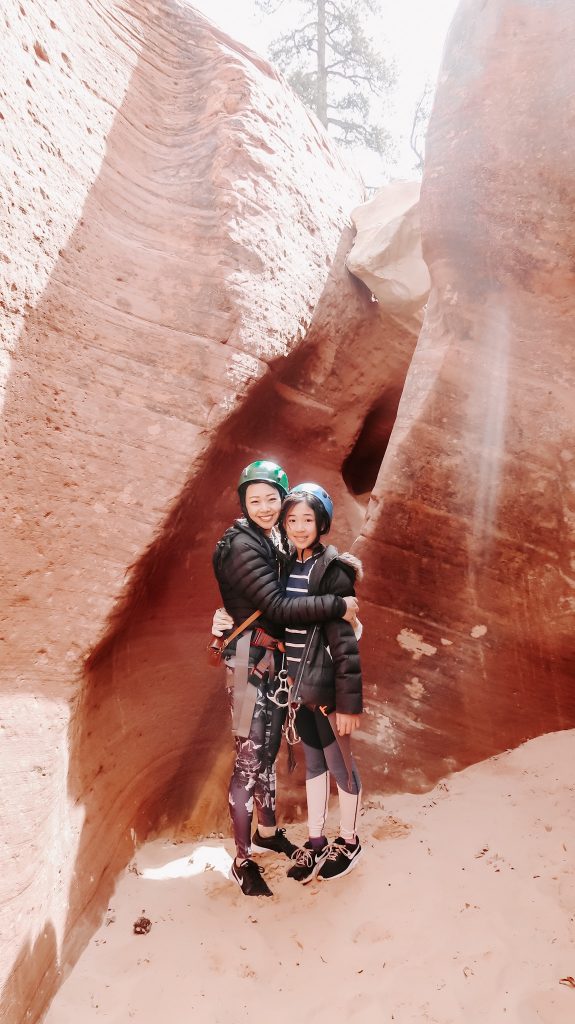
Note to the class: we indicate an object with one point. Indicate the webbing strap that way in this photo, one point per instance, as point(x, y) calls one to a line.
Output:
point(241, 686)
point(246, 692)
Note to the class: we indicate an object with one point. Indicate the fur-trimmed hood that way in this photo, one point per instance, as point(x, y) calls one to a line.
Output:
point(328, 555)
point(354, 562)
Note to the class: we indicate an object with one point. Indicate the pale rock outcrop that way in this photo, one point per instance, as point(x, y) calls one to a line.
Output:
point(386, 253)
point(470, 536)
point(175, 226)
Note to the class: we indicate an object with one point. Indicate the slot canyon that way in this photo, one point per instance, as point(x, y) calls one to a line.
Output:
point(177, 299)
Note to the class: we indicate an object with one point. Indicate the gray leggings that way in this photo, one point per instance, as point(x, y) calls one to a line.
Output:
point(322, 752)
point(323, 757)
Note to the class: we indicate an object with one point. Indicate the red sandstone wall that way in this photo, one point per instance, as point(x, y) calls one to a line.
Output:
point(174, 300)
point(470, 535)
point(176, 228)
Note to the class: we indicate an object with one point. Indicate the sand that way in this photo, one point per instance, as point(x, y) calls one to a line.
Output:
point(461, 910)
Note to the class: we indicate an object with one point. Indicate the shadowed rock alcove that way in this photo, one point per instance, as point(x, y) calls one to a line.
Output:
point(361, 467)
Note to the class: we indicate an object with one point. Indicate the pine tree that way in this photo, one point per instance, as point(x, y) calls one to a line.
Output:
point(419, 125)
point(331, 63)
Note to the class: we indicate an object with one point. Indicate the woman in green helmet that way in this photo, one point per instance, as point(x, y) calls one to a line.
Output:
point(246, 563)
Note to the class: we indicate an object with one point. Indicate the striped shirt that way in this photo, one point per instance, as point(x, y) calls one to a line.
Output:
point(297, 586)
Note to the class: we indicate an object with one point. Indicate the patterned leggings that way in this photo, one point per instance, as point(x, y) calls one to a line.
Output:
point(253, 779)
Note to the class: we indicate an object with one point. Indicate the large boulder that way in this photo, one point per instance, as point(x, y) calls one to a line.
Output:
point(177, 228)
point(470, 535)
point(386, 253)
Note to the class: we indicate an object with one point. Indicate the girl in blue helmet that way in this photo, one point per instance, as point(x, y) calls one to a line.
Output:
point(324, 668)
point(247, 567)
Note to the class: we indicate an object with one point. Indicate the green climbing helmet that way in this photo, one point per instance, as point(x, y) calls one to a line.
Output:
point(262, 472)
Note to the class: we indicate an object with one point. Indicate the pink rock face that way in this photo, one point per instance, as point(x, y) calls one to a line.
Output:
point(176, 227)
point(175, 303)
point(470, 537)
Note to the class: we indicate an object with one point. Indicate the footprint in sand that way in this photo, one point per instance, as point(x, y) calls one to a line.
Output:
point(220, 888)
point(547, 1007)
point(391, 828)
point(370, 931)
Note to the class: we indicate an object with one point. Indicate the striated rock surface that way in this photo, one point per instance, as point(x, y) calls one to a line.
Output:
point(175, 226)
point(386, 253)
point(470, 535)
point(174, 302)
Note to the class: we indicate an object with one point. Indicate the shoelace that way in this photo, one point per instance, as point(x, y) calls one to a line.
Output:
point(304, 857)
point(334, 850)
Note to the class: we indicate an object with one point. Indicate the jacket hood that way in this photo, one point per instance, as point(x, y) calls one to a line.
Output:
point(223, 546)
point(330, 554)
point(355, 563)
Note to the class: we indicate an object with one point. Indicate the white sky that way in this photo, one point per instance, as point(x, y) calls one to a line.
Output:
point(412, 33)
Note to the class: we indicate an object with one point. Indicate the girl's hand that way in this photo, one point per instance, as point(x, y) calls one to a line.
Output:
point(221, 622)
point(352, 608)
point(346, 724)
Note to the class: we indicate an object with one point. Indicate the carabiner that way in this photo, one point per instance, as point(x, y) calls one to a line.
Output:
point(280, 696)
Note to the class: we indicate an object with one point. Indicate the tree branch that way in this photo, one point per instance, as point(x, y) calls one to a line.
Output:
point(354, 77)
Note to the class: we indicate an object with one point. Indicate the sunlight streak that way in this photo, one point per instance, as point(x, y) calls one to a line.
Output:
point(205, 858)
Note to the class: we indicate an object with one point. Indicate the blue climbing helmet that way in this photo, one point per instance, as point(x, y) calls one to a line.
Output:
point(321, 494)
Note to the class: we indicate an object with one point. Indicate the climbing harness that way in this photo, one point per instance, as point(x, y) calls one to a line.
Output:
point(244, 693)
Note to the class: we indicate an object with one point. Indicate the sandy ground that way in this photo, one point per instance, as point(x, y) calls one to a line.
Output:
point(461, 910)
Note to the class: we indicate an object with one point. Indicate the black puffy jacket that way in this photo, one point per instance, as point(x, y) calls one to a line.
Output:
point(247, 570)
point(331, 677)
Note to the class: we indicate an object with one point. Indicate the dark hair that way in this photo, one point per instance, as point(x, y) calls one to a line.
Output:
point(321, 517)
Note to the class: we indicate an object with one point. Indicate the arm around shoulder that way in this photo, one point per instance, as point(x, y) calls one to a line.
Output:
point(254, 573)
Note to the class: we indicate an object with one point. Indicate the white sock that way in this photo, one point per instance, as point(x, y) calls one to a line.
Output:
point(349, 804)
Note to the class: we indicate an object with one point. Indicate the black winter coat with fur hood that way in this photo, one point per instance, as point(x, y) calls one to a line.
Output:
point(331, 677)
point(246, 565)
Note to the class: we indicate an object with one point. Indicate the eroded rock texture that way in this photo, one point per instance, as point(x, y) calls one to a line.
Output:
point(470, 536)
point(175, 228)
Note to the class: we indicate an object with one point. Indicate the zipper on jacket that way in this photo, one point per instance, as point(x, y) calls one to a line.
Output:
point(294, 696)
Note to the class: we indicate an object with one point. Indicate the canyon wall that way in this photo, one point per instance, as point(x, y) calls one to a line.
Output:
point(176, 227)
point(174, 303)
point(470, 535)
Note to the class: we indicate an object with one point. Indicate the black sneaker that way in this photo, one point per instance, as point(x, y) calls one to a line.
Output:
point(307, 863)
point(340, 857)
point(278, 843)
point(248, 875)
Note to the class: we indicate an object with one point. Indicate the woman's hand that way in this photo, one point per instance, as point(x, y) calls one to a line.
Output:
point(221, 622)
point(357, 627)
point(352, 608)
point(346, 724)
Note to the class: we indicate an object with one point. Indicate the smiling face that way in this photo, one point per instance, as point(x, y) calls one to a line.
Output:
point(301, 527)
point(263, 505)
